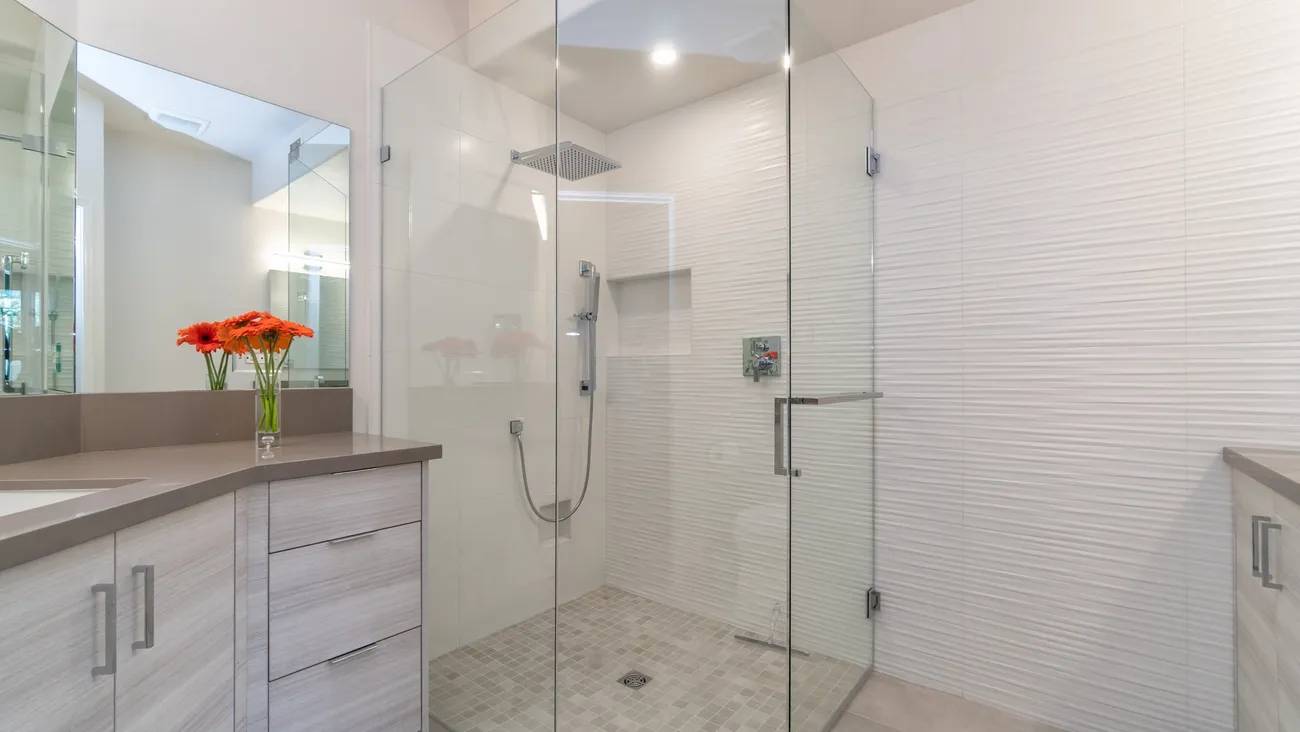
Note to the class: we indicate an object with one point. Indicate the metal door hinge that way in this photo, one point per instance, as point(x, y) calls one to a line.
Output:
point(385, 153)
point(873, 602)
point(295, 150)
point(873, 162)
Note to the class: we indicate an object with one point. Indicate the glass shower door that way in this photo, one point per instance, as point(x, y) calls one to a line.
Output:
point(829, 416)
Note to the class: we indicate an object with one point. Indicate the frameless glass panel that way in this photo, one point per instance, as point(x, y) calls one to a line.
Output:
point(469, 359)
point(832, 380)
point(673, 580)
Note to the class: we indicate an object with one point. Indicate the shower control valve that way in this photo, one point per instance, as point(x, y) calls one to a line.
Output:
point(761, 356)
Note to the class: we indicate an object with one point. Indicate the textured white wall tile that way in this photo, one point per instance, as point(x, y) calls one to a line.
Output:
point(1088, 274)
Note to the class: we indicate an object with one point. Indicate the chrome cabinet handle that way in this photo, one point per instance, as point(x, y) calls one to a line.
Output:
point(778, 420)
point(354, 537)
point(110, 630)
point(1265, 558)
point(1255, 522)
point(148, 572)
point(357, 653)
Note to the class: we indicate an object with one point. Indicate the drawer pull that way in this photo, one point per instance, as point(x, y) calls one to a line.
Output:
point(147, 571)
point(110, 630)
point(354, 537)
point(359, 652)
point(358, 470)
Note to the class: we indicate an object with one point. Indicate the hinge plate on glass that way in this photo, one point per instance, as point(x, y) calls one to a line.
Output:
point(873, 602)
point(873, 162)
point(385, 153)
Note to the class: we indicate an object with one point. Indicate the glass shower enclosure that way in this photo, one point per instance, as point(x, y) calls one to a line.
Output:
point(628, 283)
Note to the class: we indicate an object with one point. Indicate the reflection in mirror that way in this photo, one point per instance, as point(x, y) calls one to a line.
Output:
point(199, 203)
point(37, 150)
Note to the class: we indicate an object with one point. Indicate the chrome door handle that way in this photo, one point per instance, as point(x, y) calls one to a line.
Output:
point(1265, 558)
point(1255, 522)
point(778, 438)
point(110, 630)
point(848, 396)
point(148, 572)
point(778, 420)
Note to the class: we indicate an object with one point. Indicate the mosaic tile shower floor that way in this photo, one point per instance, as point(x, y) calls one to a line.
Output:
point(701, 677)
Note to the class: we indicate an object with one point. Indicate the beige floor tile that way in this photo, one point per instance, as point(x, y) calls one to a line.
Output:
point(854, 723)
point(911, 708)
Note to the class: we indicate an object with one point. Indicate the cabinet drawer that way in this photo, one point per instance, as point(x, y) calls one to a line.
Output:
point(328, 599)
point(323, 507)
point(376, 688)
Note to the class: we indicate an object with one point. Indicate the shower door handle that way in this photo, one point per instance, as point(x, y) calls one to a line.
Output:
point(781, 404)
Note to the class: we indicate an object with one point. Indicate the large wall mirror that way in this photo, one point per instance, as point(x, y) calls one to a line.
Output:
point(137, 201)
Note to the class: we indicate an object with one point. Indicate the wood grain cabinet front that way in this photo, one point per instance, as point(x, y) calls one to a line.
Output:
point(311, 510)
point(176, 620)
point(56, 650)
point(372, 689)
point(328, 599)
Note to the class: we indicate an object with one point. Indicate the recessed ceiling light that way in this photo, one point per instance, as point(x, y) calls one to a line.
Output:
point(664, 55)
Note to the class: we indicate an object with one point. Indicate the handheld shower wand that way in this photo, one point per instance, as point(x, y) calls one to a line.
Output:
point(586, 387)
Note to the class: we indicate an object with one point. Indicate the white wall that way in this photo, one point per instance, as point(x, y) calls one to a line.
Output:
point(1089, 283)
point(177, 213)
point(464, 259)
point(326, 61)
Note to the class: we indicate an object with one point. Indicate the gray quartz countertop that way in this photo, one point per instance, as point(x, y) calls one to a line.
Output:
point(1277, 469)
point(126, 487)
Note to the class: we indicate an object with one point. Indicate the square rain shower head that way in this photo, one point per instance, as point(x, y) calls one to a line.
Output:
point(576, 161)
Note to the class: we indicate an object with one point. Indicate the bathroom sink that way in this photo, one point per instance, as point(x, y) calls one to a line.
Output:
point(21, 495)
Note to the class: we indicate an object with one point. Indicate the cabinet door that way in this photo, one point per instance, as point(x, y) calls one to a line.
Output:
point(1257, 690)
point(176, 639)
point(52, 634)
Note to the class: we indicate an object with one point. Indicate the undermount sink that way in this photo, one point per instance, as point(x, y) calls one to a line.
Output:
point(21, 495)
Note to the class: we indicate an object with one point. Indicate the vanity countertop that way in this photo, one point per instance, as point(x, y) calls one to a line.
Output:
point(1277, 469)
point(126, 487)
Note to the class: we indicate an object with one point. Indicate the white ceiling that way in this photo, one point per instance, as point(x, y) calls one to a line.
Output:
point(605, 75)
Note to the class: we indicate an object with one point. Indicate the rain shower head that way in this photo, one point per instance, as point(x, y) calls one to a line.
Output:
point(575, 161)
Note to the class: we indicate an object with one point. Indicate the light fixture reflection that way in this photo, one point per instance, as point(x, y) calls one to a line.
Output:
point(664, 55)
point(539, 210)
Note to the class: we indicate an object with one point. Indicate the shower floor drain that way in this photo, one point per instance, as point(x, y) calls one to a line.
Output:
point(634, 680)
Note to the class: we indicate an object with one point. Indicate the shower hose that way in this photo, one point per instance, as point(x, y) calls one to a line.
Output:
point(586, 478)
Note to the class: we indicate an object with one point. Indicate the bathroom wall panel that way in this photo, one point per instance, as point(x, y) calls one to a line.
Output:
point(1086, 272)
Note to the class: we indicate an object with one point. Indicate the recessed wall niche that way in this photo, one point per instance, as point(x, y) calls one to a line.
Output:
point(654, 313)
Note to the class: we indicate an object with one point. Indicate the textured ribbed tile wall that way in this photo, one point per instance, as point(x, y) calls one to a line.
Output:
point(1088, 284)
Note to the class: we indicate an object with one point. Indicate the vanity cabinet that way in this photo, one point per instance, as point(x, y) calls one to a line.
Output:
point(1267, 581)
point(175, 620)
point(289, 605)
point(332, 603)
point(131, 632)
point(55, 672)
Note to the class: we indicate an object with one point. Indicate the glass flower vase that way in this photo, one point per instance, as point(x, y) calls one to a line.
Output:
point(270, 417)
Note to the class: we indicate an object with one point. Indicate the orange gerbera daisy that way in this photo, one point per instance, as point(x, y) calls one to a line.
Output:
point(204, 336)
